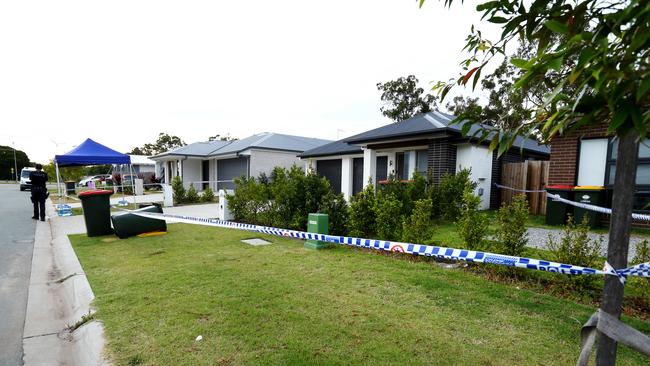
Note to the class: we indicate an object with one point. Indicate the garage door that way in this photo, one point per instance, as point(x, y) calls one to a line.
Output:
point(330, 169)
point(229, 169)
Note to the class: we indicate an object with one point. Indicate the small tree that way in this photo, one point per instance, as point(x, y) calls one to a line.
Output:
point(208, 195)
point(450, 193)
point(178, 189)
point(472, 224)
point(192, 195)
point(642, 256)
point(575, 247)
point(389, 217)
point(362, 213)
point(511, 220)
point(336, 207)
point(418, 228)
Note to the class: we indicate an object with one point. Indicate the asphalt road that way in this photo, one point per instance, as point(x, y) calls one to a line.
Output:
point(16, 246)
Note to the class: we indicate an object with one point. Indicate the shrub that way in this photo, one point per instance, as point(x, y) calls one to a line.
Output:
point(472, 224)
point(192, 195)
point(415, 191)
point(575, 247)
point(336, 207)
point(362, 213)
point(642, 256)
point(450, 193)
point(418, 227)
point(178, 190)
point(389, 218)
point(511, 221)
point(208, 195)
point(398, 189)
point(249, 200)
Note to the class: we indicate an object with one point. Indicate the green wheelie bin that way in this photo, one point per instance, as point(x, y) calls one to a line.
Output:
point(97, 211)
point(128, 224)
point(592, 195)
point(556, 212)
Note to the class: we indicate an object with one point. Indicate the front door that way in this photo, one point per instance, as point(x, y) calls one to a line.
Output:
point(205, 173)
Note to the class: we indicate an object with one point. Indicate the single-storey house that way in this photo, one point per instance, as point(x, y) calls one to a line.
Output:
point(428, 143)
point(217, 163)
point(587, 157)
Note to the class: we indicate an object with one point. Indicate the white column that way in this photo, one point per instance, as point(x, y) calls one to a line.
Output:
point(391, 164)
point(413, 162)
point(346, 177)
point(310, 165)
point(369, 166)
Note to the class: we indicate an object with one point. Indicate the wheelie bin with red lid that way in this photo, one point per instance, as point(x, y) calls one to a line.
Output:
point(97, 211)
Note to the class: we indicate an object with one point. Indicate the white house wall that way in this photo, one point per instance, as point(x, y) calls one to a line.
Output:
point(479, 159)
point(263, 161)
point(191, 170)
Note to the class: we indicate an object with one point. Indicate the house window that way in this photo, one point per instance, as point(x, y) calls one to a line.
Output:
point(642, 194)
point(422, 157)
point(642, 169)
point(402, 171)
point(593, 158)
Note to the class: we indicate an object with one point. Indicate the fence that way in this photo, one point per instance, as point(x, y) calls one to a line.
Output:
point(531, 175)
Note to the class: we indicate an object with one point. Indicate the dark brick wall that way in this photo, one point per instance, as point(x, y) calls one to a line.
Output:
point(442, 158)
point(564, 153)
point(497, 165)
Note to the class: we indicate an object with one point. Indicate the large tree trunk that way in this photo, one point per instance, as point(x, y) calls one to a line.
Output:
point(619, 237)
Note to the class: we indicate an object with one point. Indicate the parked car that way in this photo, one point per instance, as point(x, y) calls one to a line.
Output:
point(25, 183)
point(101, 177)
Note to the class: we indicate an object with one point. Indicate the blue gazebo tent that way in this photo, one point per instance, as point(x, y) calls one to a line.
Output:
point(89, 152)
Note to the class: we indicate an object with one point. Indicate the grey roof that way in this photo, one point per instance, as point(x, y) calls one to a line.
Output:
point(195, 149)
point(339, 147)
point(265, 141)
point(421, 124)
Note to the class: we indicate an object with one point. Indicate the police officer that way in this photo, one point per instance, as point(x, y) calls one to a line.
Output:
point(39, 191)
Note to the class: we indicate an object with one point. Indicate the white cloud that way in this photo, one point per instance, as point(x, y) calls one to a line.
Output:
point(122, 71)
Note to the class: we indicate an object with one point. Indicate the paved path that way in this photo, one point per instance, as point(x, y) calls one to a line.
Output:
point(16, 247)
point(538, 238)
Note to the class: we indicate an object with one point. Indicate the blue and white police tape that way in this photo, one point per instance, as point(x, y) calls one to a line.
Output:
point(520, 190)
point(416, 249)
point(586, 206)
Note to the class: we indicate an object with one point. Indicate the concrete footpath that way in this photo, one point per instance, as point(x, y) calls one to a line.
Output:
point(59, 299)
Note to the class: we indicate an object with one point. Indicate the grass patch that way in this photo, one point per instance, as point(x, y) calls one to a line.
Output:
point(281, 304)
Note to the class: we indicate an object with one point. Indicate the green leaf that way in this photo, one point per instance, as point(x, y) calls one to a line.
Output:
point(465, 129)
point(523, 80)
point(498, 20)
point(557, 27)
point(495, 142)
point(520, 63)
point(643, 89)
point(619, 118)
point(556, 63)
point(486, 6)
point(421, 3)
point(477, 76)
point(637, 119)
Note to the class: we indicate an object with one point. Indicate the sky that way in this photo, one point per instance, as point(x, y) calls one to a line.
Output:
point(120, 72)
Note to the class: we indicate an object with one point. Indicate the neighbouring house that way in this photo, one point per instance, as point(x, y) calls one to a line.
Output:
point(217, 163)
point(428, 143)
point(587, 156)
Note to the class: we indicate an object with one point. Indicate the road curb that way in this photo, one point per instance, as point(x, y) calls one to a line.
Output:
point(59, 297)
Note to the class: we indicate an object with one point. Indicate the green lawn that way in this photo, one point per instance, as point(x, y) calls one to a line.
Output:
point(281, 304)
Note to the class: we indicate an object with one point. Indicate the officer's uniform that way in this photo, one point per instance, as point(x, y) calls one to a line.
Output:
point(39, 193)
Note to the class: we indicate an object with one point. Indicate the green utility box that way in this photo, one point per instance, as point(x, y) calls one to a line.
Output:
point(592, 195)
point(97, 211)
point(317, 223)
point(556, 212)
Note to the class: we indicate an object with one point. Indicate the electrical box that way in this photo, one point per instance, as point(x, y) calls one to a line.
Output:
point(317, 223)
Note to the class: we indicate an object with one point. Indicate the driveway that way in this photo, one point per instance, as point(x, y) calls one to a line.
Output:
point(16, 247)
